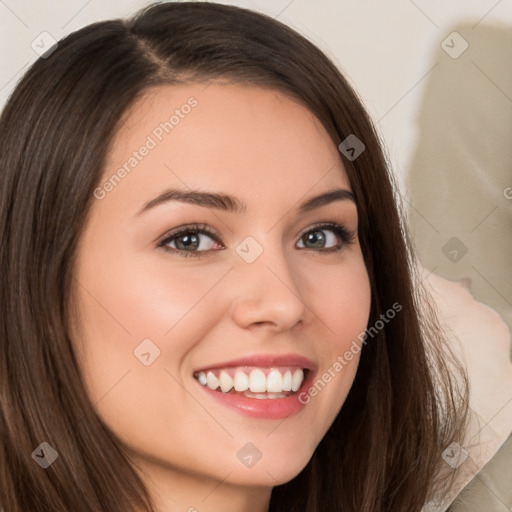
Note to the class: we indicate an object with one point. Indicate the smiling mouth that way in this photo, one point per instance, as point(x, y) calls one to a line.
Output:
point(254, 382)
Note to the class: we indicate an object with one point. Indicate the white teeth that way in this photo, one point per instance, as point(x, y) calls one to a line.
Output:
point(262, 396)
point(211, 381)
point(287, 381)
point(241, 381)
point(226, 382)
point(297, 379)
point(257, 381)
point(256, 384)
point(274, 382)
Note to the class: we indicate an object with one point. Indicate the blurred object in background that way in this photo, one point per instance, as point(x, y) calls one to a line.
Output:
point(460, 181)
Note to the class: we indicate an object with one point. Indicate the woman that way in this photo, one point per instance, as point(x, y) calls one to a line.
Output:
point(208, 297)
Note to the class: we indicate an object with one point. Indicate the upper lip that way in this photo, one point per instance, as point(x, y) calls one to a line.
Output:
point(264, 361)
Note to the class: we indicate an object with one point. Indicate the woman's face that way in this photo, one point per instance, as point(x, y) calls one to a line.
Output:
point(260, 286)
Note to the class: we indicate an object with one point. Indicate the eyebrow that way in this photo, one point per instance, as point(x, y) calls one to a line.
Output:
point(225, 202)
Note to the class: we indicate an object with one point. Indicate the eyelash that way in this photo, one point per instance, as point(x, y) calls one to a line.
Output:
point(347, 237)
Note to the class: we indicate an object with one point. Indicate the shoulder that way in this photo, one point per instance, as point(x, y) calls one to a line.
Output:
point(490, 489)
point(481, 340)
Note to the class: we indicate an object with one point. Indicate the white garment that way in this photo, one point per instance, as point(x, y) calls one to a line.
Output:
point(481, 339)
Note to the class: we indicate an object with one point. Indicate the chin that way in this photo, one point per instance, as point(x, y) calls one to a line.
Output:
point(276, 470)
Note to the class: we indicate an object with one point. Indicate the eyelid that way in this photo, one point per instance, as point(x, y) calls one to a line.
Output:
point(205, 229)
point(348, 237)
point(348, 234)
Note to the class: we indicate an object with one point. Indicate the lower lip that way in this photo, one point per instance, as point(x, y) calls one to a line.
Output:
point(265, 408)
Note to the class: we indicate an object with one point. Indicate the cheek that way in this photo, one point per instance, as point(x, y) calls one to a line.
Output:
point(341, 296)
point(123, 304)
point(122, 301)
point(145, 299)
point(342, 299)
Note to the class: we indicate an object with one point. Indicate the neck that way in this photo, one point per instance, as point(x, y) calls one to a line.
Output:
point(178, 491)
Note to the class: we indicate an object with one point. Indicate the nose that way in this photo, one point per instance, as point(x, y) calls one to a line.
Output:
point(267, 293)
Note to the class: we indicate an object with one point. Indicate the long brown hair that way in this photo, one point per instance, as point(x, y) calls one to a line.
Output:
point(383, 451)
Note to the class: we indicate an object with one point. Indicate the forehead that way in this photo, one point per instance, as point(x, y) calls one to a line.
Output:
point(236, 138)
